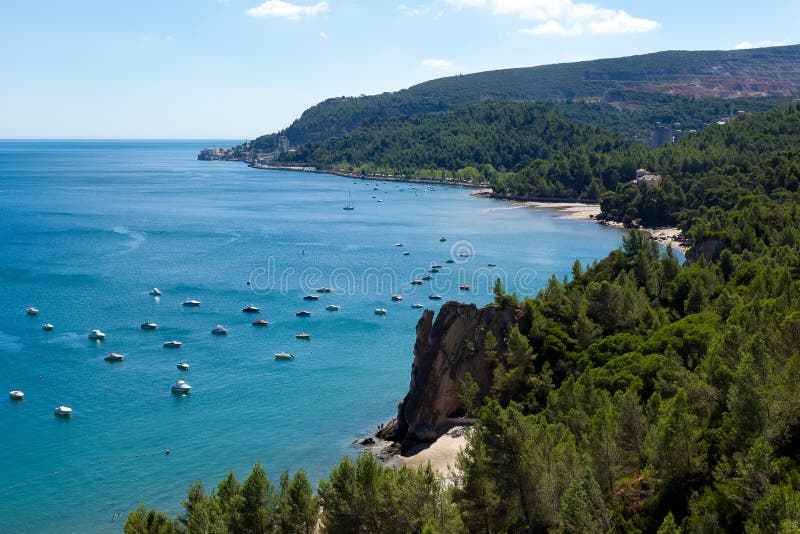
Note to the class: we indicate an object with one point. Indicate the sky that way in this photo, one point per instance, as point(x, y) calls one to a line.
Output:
point(236, 69)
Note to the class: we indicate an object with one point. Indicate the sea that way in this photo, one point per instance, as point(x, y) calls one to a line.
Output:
point(89, 228)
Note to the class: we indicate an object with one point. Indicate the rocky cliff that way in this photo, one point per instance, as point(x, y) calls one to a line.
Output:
point(445, 350)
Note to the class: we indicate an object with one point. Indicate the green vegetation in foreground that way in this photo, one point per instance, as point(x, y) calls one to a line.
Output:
point(718, 73)
point(639, 396)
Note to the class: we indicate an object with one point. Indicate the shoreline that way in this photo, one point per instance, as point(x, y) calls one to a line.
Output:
point(441, 453)
point(586, 211)
point(572, 208)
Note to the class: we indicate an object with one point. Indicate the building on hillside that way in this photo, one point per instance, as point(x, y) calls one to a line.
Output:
point(644, 177)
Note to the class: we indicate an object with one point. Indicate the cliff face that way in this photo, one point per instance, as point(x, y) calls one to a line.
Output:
point(444, 352)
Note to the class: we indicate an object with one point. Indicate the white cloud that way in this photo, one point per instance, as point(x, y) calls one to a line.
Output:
point(323, 35)
point(564, 17)
point(286, 10)
point(759, 44)
point(439, 64)
point(414, 11)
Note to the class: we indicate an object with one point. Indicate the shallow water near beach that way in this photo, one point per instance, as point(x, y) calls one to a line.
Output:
point(88, 228)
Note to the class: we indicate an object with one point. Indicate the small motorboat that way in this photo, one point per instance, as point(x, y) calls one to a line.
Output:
point(380, 311)
point(303, 313)
point(451, 260)
point(97, 334)
point(181, 388)
point(433, 270)
point(464, 255)
point(464, 287)
point(260, 322)
point(443, 238)
point(155, 292)
point(427, 277)
point(191, 303)
point(219, 330)
point(436, 266)
point(303, 335)
point(406, 254)
point(323, 289)
point(174, 344)
point(416, 282)
point(30, 310)
point(311, 297)
point(251, 309)
point(63, 411)
point(397, 298)
point(47, 327)
point(16, 395)
point(183, 366)
point(417, 306)
point(333, 307)
point(492, 265)
point(148, 325)
point(400, 244)
point(283, 356)
point(435, 297)
point(113, 357)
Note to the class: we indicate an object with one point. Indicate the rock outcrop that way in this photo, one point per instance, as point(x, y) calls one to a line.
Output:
point(444, 352)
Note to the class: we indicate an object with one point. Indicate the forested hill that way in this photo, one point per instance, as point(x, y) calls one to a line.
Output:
point(478, 142)
point(683, 75)
point(715, 170)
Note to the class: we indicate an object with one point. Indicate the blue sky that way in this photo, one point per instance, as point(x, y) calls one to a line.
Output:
point(232, 69)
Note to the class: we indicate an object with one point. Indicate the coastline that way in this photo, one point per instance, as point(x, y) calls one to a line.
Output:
point(586, 211)
point(571, 208)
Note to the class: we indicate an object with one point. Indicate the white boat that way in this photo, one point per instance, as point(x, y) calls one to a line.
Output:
point(155, 292)
point(283, 356)
point(181, 387)
point(417, 306)
point(47, 327)
point(30, 310)
point(96, 334)
point(311, 297)
point(63, 411)
point(174, 344)
point(380, 311)
point(191, 303)
point(303, 335)
point(443, 239)
point(464, 287)
point(183, 366)
point(397, 298)
point(399, 244)
point(114, 357)
point(251, 309)
point(348, 206)
point(260, 322)
point(148, 325)
point(219, 330)
point(324, 289)
point(16, 395)
point(333, 307)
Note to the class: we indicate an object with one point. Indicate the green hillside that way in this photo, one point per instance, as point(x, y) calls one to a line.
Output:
point(683, 75)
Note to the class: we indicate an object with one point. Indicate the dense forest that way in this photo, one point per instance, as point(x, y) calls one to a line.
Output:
point(687, 74)
point(481, 142)
point(640, 395)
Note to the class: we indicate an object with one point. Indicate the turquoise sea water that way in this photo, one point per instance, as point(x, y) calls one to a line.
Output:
point(88, 228)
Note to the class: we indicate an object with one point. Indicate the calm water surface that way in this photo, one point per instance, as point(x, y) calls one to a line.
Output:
point(88, 228)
